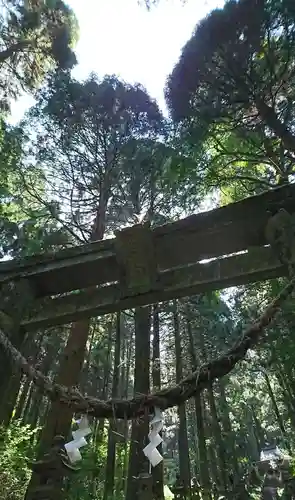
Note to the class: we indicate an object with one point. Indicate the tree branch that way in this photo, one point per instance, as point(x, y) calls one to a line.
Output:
point(272, 121)
point(13, 49)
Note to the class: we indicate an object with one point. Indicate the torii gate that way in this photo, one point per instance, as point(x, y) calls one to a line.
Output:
point(143, 266)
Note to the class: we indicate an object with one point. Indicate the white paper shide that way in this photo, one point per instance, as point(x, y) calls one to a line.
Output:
point(150, 450)
point(73, 447)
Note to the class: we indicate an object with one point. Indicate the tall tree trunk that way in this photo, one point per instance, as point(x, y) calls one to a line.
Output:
point(258, 430)
point(268, 114)
point(202, 450)
point(30, 349)
point(6, 370)
point(216, 430)
point(86, 368)
point(227, 429)
point(16, 303)
point(27, 406)
point(252, 444)
point(215, 424)
point(288, 383)
point(59, 417)
point(276, 410)
point(124, 392)
point(37, 397)
point(213, 463)
point(19, 410)
point(287, 398)
point(105, 384)
point(10, 399)
point(111, 456)
point(183, 448)
point(137, 461)
point(289, 377)
point(158, 471)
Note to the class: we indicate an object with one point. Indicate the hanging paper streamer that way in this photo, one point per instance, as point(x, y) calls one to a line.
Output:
point(72, 448)
point(150, 450)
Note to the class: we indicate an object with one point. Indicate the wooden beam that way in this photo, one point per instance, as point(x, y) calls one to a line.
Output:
point(184, 281)
point(218, 232)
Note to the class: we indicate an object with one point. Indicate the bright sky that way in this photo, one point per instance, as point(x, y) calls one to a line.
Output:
point(120, 37)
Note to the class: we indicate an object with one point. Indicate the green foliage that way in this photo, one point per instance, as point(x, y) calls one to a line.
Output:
point(15, 450)
point(26, 228)
point(35, 36)
point(88, 485)
point(117, 103)
point(99, 144)
point(233, 92)
point(227, 41)
point(101, 150)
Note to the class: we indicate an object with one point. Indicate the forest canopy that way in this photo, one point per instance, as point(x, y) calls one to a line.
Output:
point(93, 156)
point(233, 86)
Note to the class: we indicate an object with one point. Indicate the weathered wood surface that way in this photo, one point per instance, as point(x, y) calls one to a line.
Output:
point(222, 231)
point(100, 277)
point(191, 280)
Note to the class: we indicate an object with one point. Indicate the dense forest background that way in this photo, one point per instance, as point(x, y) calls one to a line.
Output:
point(93, 156)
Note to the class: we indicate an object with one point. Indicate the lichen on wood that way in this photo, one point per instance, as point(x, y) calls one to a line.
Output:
point(183, 281)
point(135, 255)
point(212, 234)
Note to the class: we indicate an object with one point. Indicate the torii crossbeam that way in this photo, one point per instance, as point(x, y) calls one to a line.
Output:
point(143, 266)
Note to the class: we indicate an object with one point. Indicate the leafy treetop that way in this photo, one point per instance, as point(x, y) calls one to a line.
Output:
point(35, 36)
point(237, 70)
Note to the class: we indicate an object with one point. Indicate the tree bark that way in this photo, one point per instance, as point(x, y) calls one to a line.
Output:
point(137, 461)
point(269, 116)
point(59, 417)
point(157, 472)
point(124, 392)
point(37, 398)
point(287, 397)
point(7, 371)
point(216, 430)
point(258, 430)
point(19, 410)
point(111, 456)
point(183, 448)
point(227, 429)
point(105, 385)
point(30, 349)
point(276, 410)
point(202, 450)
